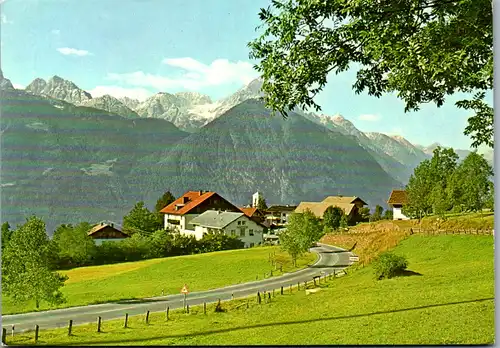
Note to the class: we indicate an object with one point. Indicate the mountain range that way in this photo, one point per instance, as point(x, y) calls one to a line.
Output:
point(69, 157)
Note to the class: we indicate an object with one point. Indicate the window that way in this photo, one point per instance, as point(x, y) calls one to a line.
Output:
point(239, 222)
point(233, 233)
point(242, 233)
point(243, 222)
point(250, 232)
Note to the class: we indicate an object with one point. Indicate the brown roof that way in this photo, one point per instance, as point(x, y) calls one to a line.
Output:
point(398, 197)
point(319, 208)
point(187, 201)
point(343, 199)
point(102, 225)
point(248, 211)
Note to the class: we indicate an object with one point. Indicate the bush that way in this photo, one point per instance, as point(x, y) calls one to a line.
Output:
point(389, 265)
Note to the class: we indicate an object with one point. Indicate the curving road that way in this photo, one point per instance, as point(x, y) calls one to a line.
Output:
point(330, 259)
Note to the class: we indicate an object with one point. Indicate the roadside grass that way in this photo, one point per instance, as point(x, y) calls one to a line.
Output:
point(450, 302)
point(134, 280)
point(373, 238)
point(367, 245)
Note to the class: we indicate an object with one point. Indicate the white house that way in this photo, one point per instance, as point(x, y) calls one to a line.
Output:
point(180, 213)
point(247, 230)
point(397, 199)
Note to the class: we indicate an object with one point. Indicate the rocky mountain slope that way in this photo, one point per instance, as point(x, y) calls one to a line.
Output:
point(5, 83)
point(58, 88)
point(291, 160)
point(111, 104)
point(70, 163)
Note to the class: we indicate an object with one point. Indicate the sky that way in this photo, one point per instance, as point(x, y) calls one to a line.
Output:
point(136, 48)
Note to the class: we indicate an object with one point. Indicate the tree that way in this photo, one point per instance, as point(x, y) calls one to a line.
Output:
point(344, 221)
point(302, 231)
point(140, 220)
point(161, 203)
point(261, 204)
point(388, 215)
point(424, 50)
point(26, 273)
point(6, 234)
point(470, 184)
point(365, 214)
point(74, 246)
point(332, 216)
point(427, 186)
point(377, 214)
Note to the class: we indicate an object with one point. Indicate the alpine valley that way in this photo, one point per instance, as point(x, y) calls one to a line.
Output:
point(69, 157)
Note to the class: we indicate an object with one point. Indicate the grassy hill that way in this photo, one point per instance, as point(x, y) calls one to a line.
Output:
point(133, 280)
point(450, 301)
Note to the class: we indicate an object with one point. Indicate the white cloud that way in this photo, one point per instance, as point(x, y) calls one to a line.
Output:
point(18, 86)
point(369, 117)
point(119, 92)
point(4, 19)
point(73, 51)
point(55, 31)
point(194, 74)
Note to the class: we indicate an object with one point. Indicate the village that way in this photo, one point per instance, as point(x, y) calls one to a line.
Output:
point(197, 213)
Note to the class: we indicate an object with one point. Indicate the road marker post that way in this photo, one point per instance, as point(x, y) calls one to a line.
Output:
point(147, 317)
point(258, 297)
point(204, 308)
point(187, 307)
point(269, 296)
point(13, 328)
point(168, 309)
point(36, 333)
point(70, 327)
point(126, 321)
point(185, 291)
point(98, 324)
point(281, 290)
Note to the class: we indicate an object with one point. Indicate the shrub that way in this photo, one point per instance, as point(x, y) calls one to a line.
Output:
point(389, 265)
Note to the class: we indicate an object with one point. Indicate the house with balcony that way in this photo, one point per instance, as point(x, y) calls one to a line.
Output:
point(179, 214)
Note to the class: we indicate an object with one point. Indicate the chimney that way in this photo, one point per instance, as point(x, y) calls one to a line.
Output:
point(201, 192)
point(112, 224)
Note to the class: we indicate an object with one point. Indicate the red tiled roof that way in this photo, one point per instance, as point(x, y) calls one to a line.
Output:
point(398, 197)
point(248, 211)
point(194, 198)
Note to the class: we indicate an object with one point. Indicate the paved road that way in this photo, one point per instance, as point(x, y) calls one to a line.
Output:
point(330, 259)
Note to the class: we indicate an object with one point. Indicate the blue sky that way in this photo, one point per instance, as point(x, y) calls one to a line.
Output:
point(140, 47)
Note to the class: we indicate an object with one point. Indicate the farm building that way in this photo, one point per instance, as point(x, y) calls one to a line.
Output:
point(397, 199)
point(105, 232)
point(236, 224)
point(350, 205)
point(278, 214)
point(254, 214)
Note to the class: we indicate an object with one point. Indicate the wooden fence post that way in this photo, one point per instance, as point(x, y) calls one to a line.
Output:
point(204, 308)
point(258, 297)
point(147, 317)
point(98, 324)
point(168, 309)
point(269, 296)
point(4, 333)
point(281, 290)
point(70, 326)
point(36, 333)
point(187, 307)
point(126, 320)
